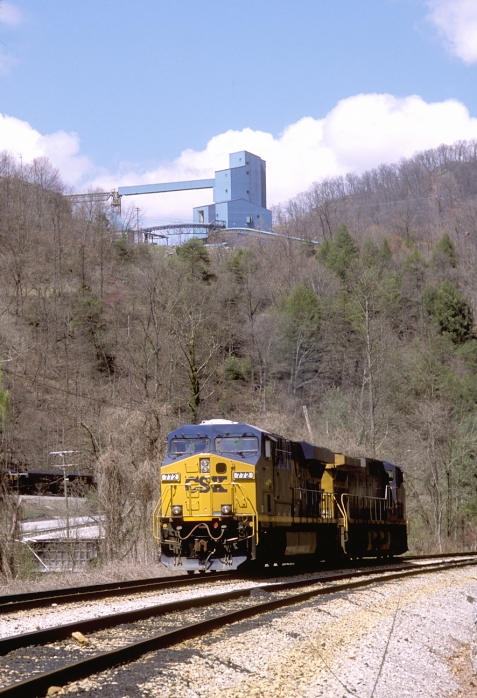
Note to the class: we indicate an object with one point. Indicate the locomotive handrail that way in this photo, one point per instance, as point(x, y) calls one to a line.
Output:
point(155, 518)
point(245, 495)
point(324, 497)
point(342, 509)
point(255, 513)
point(375, 505)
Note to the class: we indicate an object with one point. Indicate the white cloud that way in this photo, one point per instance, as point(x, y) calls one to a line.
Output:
point(456, 21)
point(366, 130)
point(360, 133)
point(9, 14)
point(62, 148)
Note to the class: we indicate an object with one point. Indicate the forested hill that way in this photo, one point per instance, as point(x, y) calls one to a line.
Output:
point(107, 345)
point(434, 190)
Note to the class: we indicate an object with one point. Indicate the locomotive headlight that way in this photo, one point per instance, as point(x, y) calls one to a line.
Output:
point(205, 465)
point(177, 510)
point(243, 476)
point(171, 477)
point(226, 509)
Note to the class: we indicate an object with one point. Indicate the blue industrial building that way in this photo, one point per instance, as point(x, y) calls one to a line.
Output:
point(240, 195)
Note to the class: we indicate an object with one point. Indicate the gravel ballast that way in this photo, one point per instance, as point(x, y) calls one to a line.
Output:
point(17, 622)
point(404, 638)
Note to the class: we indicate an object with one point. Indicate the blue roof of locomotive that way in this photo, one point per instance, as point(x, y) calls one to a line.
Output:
point(211, 431)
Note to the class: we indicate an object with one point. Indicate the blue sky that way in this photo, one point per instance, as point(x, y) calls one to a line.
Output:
point(117, 92)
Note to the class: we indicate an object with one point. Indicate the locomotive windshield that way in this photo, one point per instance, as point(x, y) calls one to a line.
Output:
point(236, 444)
point(189, 446)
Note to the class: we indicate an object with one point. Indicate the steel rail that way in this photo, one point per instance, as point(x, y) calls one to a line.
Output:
point(21, 602)
point(61, 632)
point(31, 595)
point(435, 556)
point(31, 688)
point(24, 601)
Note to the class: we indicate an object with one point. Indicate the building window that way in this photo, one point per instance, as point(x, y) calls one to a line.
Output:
point(201, 216)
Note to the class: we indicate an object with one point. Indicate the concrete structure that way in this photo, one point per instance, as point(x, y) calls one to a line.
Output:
point(58, 545)
point(240, 195)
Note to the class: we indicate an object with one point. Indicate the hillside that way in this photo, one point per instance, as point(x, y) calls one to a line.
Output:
point(106, 345)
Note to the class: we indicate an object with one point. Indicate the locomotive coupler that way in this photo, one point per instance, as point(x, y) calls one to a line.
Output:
point(200, 546)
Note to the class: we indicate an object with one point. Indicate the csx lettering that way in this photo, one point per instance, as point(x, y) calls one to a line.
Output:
point(202, 484)
point(203, 481)
point(218, 479)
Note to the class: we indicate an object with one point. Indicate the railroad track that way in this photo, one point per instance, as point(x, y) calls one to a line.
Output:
point(215, 614)
point(20, 602)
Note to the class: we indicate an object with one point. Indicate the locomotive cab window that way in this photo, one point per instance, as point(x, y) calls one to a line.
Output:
point(236, 444)
point(189, 446)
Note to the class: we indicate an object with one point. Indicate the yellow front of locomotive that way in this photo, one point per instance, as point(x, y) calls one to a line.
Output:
point(206, 518)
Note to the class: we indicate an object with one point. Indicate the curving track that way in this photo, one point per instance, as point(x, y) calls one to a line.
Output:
point(218, 614)
point(20, 602)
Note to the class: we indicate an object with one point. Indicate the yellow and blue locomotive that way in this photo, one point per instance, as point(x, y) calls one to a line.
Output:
point(232, 493)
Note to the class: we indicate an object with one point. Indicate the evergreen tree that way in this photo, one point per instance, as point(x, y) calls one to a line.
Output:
point(444, 252)
point(242, 263)
point(338, 254)
point(450, 311)
point(196, 256)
